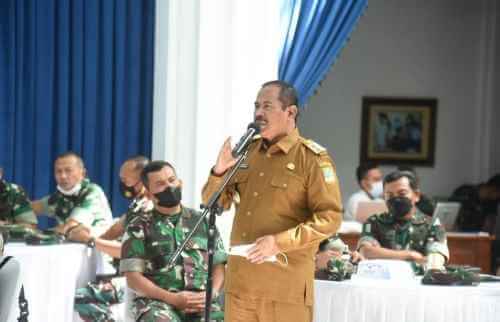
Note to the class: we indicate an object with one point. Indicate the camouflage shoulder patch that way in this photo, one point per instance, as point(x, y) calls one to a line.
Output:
point(313, 146)
point(328, 172)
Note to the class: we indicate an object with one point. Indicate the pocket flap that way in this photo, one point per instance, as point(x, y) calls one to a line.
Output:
point(280, 182)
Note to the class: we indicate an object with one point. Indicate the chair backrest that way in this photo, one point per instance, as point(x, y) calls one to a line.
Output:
point(447, 213)
point(10, 281)
point(369, 208)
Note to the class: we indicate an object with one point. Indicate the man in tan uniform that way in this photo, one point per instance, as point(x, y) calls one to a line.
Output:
point(287, 201)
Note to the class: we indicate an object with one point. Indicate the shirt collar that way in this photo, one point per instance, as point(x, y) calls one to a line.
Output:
point(285, 143)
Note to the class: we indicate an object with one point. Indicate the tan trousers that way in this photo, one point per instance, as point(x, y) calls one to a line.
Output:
point(238, 309)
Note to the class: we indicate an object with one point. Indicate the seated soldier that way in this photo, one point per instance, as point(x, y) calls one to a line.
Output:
point(404, 233)
point(177, 294)
point(334, 261)
point(15, 208)
point(93, 301)
point(77, 201)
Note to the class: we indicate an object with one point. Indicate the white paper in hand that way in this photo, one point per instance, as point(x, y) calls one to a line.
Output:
point(242, 250)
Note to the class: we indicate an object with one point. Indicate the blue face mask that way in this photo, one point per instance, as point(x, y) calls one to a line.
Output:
point(377, 190)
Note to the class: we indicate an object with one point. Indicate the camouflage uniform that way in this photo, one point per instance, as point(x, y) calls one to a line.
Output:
point(148, 243)
point(337, 268)
point(93, 301)
point(420, 234)
point(89, 207)
point(14, 204)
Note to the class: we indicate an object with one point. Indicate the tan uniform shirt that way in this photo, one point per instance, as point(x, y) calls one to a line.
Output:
point(291, 191)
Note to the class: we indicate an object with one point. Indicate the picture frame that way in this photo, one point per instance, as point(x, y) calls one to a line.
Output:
point(398, 131)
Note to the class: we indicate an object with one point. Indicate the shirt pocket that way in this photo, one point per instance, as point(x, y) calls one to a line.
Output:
point(240, 181)
point(288, 194)
point(241, 177)
point(160, 252)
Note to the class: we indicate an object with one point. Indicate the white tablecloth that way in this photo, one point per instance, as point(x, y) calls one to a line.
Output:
point(385, 301)
point(51, 275)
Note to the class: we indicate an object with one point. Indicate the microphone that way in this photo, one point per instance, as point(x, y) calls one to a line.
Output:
point(253, 129)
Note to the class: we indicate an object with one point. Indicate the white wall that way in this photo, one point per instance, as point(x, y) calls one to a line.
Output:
point(496, 103)
point(413, 48)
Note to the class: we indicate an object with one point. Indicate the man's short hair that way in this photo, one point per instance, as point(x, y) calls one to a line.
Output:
point(396, 175)
point(140, 162)
point(409, 169)
point(154, 166)
point(288, 94)
point(362, 170)
point(67, 154)
point(494, 181)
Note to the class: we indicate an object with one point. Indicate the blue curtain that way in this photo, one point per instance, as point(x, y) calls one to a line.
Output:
point(314, 32)
point(75, 75)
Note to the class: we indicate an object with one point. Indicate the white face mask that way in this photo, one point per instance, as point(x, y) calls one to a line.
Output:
point(71, 192)
point(377, 190)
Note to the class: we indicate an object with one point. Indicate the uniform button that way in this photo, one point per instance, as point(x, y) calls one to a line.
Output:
point(249, 213)
point(284, 185)
point(268, 155)
point(261, 174)
point(255, 194)
point(244, 234)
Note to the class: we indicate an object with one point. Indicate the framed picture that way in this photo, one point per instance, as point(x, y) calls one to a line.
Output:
point(398, 130)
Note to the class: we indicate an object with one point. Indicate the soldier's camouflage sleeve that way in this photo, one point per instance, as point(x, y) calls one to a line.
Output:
point(368, 236)
point(94, 209)
point(220, 255)
point(22, 211)
point(133, 255)
point(436, 241)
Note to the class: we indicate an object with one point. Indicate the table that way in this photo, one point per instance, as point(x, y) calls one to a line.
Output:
point(51, 275)
point(472, 249)
point(388, 301)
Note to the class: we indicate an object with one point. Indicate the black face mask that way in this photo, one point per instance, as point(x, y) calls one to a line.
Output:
point(3, 197)
point(127, 192)
point(170, 197)
point(399, 207)
point(3, 186)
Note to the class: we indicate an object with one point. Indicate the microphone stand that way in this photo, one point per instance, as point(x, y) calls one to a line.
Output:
point(213, 209)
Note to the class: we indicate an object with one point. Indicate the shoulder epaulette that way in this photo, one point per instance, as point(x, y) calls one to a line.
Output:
point(313, 146)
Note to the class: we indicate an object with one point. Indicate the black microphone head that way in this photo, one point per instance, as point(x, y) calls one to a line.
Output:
point(254, 126)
